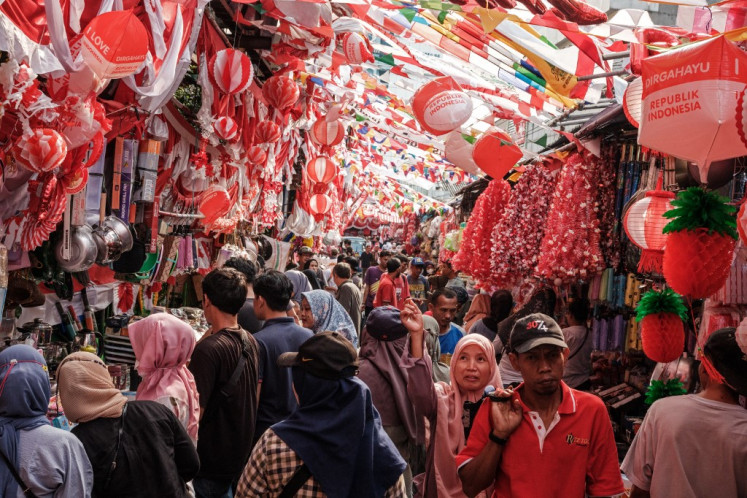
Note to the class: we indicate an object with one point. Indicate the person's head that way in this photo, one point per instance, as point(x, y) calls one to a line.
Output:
point(160, 341)
point(461, 294)
point(340, 258)
point(473, 365)
point(384, 324)
point(24, 381)
point(341, 272)
point(501, 304)
point(333, 252)
point(404, 263)
point(86, 389)
point(353, 263)
point(578, 311)
point(393, 267)
point(444, 306)
point(368, 246)
point(430, 268)
point(224, 292)
point(384, 258)
point(326, 355)
point(416, 267)
point(244, 266)
point(348, 243)
point(446, 270)
point(311, 264)
point(538, 350)
point(304, 254)
point(291, 266)
point(272, 292)
point(307, 314)
point(723, 364)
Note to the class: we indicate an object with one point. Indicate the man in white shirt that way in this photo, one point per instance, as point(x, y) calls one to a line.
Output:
point(578, 337)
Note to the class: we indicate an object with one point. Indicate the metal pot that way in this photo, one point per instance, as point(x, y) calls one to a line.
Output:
point(122, 230)
point(38, 331)
point(83, 250)
point(112, 237)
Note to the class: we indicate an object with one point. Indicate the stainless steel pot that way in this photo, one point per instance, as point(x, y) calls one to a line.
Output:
point(38, 331)
point(83, 250)
point(112, 237)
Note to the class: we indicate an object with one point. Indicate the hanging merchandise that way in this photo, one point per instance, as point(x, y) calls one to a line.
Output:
point(230, 71)
point(321, 169)
point(497, 196)
point(742, 116)
point(632, 101)
point(441, 106)
point(458, 151)
point(215, 204)
point(327, 133)
point(115, 44)
point(281, 92)
point(41, 151)
point(700, 246)
point(496, 153)
point(226, 128)
point(357, 48)
point(662, 316)
point(320, 205)
point(256, 155)
point(268, 132)
point(742, 221)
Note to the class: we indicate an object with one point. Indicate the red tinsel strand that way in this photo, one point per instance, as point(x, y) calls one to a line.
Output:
point(497, 196)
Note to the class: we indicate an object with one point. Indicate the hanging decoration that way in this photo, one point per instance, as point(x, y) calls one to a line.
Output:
point(226, 128)
point(321, 169)
point(742, 116)
point(267, 132)
point(644, 223)
point(281, 92)
point(458, 151)
point(231, 71)
point(496, 153)
point(327, 133)
point(700, 245)
point(320, 205)
point(441, 106)
point(658, 389)
point(115, 44)
point(662, 316)
point(632, 101)
point(42, 151)
point(256, 155)
point(357, 48)
point(214, 204)
point(497, 196)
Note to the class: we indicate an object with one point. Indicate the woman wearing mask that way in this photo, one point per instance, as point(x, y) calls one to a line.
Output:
point(163, 345)
point(34, 455)
point(320, 311)
point(448, 408)
point(136, 448)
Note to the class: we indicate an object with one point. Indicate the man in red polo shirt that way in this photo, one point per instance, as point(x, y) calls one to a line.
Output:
point(544, 439)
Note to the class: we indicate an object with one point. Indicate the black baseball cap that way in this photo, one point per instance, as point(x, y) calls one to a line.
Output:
point(328, 355)
point(384, 324)
point(535, 330)
point(724, 352)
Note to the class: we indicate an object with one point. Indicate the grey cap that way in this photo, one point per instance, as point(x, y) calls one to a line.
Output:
point(535, 330)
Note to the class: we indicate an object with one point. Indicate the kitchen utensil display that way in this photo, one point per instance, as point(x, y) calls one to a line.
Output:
point(83, 250)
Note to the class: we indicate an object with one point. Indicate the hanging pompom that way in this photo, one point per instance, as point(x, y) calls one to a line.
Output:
point(226, 128)
point(280, 92)
point(662, 329)
point(43, 151)
point(256, 155)
point(268, 132)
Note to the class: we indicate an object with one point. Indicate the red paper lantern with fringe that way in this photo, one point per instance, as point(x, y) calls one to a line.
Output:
point(321, 169)
point(281, 92)
point(320, 204)
point(496, 153)
point(268, 132)
point(226, 128)
point(644, 223)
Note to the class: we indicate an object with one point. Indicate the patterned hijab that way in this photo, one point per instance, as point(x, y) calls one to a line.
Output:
point(87, 391)
point(330, 315)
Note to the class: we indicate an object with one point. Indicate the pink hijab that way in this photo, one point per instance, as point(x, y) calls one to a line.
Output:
point(163, 345)
point(449, 428)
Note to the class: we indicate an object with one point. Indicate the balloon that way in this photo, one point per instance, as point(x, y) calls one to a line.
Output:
point(459, 153)
point(328, 133)
point(495, 153)
point(357, 48)
point(115, 44)
point(280, 92)
point(441, 106)
point(267, 132)
point(632, 102)
point(230, 71)
point(226, 128)
point(43, 151)
point(321, 169)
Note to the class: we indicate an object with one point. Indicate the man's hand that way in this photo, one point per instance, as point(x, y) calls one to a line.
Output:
point(411, 317)
point(505, 415)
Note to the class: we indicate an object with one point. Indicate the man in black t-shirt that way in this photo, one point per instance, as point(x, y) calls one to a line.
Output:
point(228, 402)
point(367, 257)
point(246, 317)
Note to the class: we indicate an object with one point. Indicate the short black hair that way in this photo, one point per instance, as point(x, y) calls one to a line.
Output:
point(275, 288)
point(443, 291)
point(348, 242)
point(340, 258)
point(353, 262)
point(291, 266)
point(342, 270)
point(579, 309)
point(307, 264)
point(393, 265)
point(226, 288)
point(501, 303)
point(246, 267)
point(385, 253)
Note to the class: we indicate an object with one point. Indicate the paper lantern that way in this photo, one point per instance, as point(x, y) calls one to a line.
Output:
point(267, 132)
point(459, 152)
point(215, 204)
point(696, 263)
point(321, 169)
point(742, 223)
point(643, 222)
point(226, 128)
point(441, 106)
point(632, 102)
point(281, 92)
point(256, 155)
point(695, 87)
point(230, 71)
point(495, 153)
point(357, 48)
point(742, 116)
point(320, 204)
point(662, 336)
point(327, 133)
point(115, 44)
point(43, 151)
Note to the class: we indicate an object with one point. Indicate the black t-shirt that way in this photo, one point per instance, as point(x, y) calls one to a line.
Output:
point(366, 259)
point(227, 425)
point(155, 458)
point(247, 319)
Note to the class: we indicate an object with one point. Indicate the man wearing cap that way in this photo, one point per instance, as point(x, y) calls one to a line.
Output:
point(418, 284)
point(544, 439)
point(333, 444)
point(696, 445)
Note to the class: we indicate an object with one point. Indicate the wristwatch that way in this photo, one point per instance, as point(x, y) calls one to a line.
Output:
point(497, 440)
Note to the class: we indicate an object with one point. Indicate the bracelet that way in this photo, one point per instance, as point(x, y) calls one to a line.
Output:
point(497, 440)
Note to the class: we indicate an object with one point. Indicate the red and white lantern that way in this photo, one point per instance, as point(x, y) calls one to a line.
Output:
point(644, 223)
point(632, 102)
point(327, 133)
point(357, 48)
point(496, 153)
point(115, 44)
point(321, 169)
point(441, 106)
point(230, 71)
point(742, 116)
point(43, 151)
point(256, 155)
point(226, 128)
point(281, 92)
point(267, 132)
point(320, 204)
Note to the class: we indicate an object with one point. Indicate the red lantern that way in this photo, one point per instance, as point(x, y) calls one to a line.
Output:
point(742, 116)
point(215, 204)
point(280, 92)
point(43, 151)
point(115, 44)
point(256, 155)
point(321, 169)
point(632, 101)
point(697, 263)
point(357, 48)
point(226, 128)
point(663, 336)
point(742, 222)
point(644, 223)
point(320, 204)
point(231, 71)
point(267, 132)
point(328, 133)
point(441, 106)
point(495, 153)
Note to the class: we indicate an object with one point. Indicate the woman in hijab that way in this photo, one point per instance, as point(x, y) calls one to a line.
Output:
point(320, 311)
point(499, 307)
point(34, 455)
point(313, 280)
point(479, 309)
point(314, 274)
point(136, 448)
point(300, 284)
point(163, 345)
point(449, 408)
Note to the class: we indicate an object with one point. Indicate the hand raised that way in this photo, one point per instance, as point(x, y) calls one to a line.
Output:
point(411, 317)
point(505, 415)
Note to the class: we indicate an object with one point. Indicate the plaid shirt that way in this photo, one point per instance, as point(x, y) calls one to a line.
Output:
point(272, 465)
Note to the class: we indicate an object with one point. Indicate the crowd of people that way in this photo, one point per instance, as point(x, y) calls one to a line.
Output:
point(369, 375)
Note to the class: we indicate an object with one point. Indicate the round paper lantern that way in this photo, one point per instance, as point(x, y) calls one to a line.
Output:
point(43, 151)
point(226, 128)
point(441, 106)
point(632, 102)
point(230, 71)
point(662, 336)
point(280, 92)
point(742, 116)
point(321, 169)
point(328, 133)
point(495, 153)
point(115, 44)
point(696, 263)
point(644, 222)
point(268, 132)
point(357, 48)
point(215, 204)
point(256, 155)
point(320, 204)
